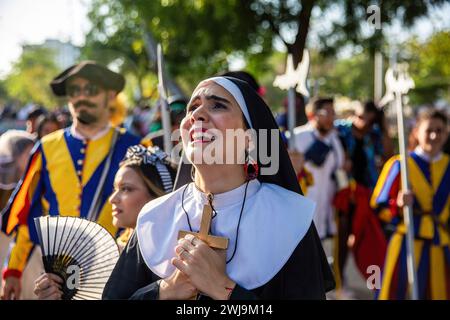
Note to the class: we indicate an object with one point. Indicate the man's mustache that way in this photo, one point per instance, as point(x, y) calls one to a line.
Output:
point(84, 103)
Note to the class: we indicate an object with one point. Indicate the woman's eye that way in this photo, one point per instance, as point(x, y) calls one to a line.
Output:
point(126, 189)
point(192, 108)
point(219, 106)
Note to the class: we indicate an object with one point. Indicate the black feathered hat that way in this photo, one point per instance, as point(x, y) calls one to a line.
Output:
point(91, 71)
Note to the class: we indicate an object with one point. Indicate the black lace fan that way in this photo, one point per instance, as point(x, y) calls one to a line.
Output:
point(79, 251)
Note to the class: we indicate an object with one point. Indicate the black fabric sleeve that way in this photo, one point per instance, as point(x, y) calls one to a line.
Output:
point(131, 278)
point(306, 275)
point(240, 293)
point(149, 292)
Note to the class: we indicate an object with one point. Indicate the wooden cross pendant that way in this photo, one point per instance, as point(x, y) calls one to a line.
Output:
point(210, 240)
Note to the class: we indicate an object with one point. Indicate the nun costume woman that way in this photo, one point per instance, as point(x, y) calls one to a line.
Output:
point(273, 250)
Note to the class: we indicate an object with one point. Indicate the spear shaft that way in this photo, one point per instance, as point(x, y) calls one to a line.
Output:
point(407, 210)
point(165, 112)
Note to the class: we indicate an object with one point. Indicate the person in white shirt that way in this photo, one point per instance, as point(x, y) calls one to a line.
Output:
point(319, 144)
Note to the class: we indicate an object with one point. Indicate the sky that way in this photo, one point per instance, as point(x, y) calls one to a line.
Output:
point(34, 21)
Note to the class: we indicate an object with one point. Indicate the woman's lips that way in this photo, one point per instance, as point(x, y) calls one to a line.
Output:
point(116, 212)
point(201, 135)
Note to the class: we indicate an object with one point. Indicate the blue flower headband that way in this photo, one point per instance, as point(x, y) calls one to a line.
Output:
point(152, 156)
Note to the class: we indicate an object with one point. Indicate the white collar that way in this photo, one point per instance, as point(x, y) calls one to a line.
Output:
point(78, 135)
point(425, 156)
point(273, 222)
point(228, 198)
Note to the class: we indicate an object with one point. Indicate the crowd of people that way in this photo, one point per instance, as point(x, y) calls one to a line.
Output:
point(337, 182)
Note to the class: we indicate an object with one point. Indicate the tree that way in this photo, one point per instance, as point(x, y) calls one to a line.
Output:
point(3, 91)
point(281, 17)
point(30, 77)
point(352, 27)
point(116, 38)
point(200, 37)
point(429, 68)
point(351, 77)
point(197, 36)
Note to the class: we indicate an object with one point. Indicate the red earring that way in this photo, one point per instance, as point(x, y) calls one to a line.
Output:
point(251, 170)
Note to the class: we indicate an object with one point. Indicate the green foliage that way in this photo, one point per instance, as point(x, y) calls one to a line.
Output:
point(30, 77)
point(197, 36)
point(429, 68)
point(351, 77)
point(353, 28)
point(200, 37)
point(3, 91)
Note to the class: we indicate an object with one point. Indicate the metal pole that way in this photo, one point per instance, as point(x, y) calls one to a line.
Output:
point(292, 116)
point(407, 210)
point(165, 112)
point(378, 76)
point(150, 46)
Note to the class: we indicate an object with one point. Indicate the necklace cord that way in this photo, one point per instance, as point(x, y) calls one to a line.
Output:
point(239, 221)
point(182, 206)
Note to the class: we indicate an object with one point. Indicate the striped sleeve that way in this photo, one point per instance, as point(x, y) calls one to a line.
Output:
point(26, 195)
point(384, 197)
point(20, 253)
point(24, 203)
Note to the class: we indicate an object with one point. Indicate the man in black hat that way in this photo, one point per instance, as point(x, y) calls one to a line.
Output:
point(71, 171)
point(90, 88)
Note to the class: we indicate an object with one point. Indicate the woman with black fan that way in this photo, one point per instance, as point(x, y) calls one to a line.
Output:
point(143, 175)
point(241, 229)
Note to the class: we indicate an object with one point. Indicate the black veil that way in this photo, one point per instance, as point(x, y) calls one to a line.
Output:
point(262, 118)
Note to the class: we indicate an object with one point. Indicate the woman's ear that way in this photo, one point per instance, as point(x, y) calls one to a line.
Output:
point(250, 141)
point(310, 115)
point(415, 133)
point(412, 139)
point(251, 150)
